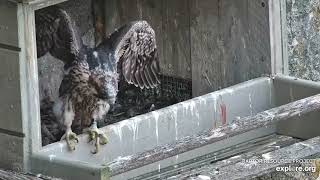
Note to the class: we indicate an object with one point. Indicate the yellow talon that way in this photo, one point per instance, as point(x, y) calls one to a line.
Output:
point(97, 136)
point(71, 139)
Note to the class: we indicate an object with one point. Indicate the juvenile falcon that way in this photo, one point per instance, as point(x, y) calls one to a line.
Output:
point(90, 83)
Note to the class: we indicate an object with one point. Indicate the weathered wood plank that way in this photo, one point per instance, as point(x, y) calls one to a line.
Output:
point(279, 36)
point(10, 175)
point(29, 83)
point(229, 43)
point(8, 29)
point(244, 26)
point(176, 38)
point(121, 12)
point(224, 157)
point(258, 39)
point(239, 126)
point(232, 155)
point(246, 166)
point(10, 95)
point(233, 27)
point(38, 4)
point(205, 46)
point(11, 152)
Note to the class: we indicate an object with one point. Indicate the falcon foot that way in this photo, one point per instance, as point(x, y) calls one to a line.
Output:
point(97, 136)
point(71, 139)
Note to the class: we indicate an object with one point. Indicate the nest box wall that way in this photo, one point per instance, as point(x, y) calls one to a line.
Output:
point(19, 92)
point(230, 42)
point(214, 43)
point(170, 20)
point(11, 127)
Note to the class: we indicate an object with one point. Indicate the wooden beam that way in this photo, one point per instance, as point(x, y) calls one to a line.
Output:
point(29, 83)
point(10, 175)
point(230, 43)
point(245, 166)
point(205, 46)
point(239, 126)
point(39, 4)
point(278, 37)
point(176, 39)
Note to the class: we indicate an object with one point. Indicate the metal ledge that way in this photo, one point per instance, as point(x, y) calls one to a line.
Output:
point(235, 168)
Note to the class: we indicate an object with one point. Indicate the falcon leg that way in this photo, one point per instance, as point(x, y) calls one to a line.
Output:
point(68, 117)
point(97, 136)
point(71, 139)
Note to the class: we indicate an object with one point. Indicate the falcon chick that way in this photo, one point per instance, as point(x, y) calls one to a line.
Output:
point(90, 84)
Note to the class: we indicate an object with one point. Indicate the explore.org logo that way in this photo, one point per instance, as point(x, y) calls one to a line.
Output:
point(313, 167)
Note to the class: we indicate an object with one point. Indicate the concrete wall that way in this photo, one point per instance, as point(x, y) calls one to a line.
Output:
point(303, 26)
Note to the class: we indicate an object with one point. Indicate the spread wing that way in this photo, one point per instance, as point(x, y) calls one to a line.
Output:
point(135, 50)
point(57, 34)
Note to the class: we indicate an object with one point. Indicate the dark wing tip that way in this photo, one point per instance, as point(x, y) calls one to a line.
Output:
point(56, 33)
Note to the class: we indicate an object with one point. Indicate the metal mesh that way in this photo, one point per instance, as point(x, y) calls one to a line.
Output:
point(134, 101)
point(179, 88)
point(172, 87)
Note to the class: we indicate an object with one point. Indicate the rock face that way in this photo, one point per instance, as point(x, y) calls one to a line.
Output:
point(303, 20)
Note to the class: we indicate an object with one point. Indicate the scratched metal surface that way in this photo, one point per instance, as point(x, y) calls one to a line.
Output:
point(303, 26)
